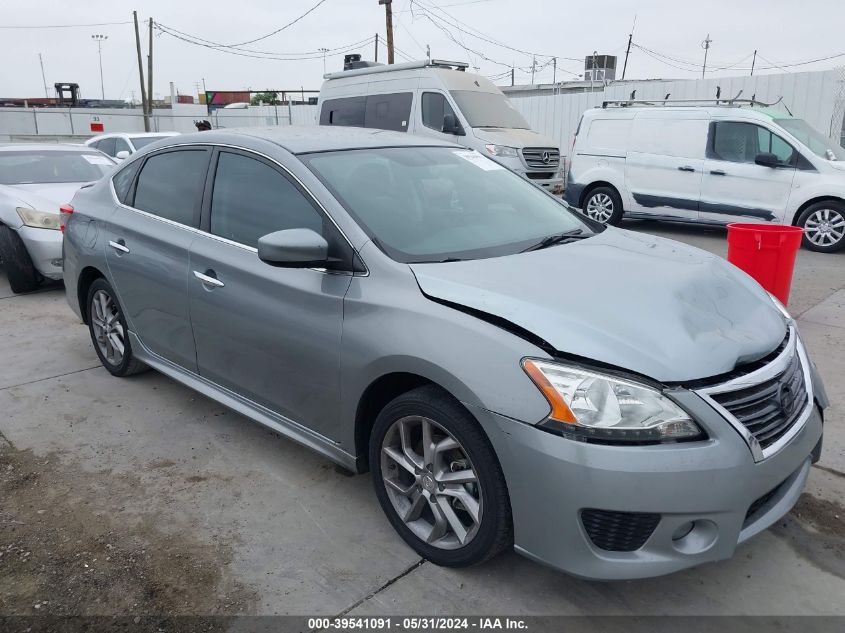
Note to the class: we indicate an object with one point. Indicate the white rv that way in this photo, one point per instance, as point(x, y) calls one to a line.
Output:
point(441, 100)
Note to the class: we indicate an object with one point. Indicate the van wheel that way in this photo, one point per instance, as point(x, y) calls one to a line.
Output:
point(438, 479)
point(603, 204)
point(824, 226)
point(20, 271)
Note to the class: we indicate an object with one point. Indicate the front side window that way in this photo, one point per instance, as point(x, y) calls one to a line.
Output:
point(170, 185)
point(107, 146)
point(388, 111)
point(251, 199)
point(120, 145)
point(739, 142)
point(488, 109)
point(52, 166)
point(434, 108)
point(422, 204)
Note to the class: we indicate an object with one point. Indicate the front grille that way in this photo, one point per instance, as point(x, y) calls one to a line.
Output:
point(770, 408)
point(541, 157)
point(618, 531)
point(540, 175)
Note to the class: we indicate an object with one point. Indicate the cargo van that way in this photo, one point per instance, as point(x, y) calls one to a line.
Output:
point(441, 100)
point(711, 164)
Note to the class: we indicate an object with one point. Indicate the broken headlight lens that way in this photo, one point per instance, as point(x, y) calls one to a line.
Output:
point(602, 408)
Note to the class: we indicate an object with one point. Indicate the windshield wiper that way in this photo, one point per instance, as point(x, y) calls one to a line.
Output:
point(438, 261)
point(557, 238)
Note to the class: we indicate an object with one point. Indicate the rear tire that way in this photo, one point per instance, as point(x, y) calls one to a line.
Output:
point(22, 275)
point(455, 509)
point(824, 226)
point(603, 204)
point(109, 333)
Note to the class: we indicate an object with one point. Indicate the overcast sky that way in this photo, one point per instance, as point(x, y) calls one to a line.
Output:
point(782, 31)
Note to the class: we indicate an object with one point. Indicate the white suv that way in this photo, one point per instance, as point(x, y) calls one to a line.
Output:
point(123, 145)
point(713, 165)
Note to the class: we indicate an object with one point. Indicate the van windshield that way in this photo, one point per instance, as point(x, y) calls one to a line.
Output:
point(817, 142)
point(488, 109)
point(435, 204)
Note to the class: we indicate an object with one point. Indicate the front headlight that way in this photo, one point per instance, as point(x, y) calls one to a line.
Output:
point(601, 408)
point(501, 150)
point(39, 219)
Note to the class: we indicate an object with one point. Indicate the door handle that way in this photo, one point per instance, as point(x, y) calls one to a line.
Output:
point(718, 172)
point(686, 168)
point(208, 279)
point(119, 245)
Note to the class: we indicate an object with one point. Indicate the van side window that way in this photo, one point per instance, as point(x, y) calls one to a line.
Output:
point(739, 142)
point(434, 108)
point(388, 111)
point(346, 111)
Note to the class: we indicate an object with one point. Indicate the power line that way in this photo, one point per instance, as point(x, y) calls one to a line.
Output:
point(279, 30)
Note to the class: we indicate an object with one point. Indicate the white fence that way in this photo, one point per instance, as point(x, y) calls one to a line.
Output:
point(818, 97)
point(76, 123)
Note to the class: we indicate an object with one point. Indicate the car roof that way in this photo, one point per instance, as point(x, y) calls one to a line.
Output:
point(318, 138)
point(49, 147)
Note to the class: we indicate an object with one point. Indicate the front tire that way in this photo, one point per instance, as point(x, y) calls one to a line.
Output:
point(21, 273)
point(824, 226)
point(109, 332)
point(438, 480)
point(603, 204)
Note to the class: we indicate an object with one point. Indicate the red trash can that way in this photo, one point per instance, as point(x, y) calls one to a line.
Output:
point(767, 253)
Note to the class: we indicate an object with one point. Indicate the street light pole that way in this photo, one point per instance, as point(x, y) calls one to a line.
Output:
point(100, 39)
point(324, 51)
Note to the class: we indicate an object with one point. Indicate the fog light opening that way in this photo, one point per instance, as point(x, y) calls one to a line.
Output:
point(695, 537)
point(683, 530)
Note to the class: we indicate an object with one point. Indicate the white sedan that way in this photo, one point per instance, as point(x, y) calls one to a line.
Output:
point(35, 181)
point(124, 144)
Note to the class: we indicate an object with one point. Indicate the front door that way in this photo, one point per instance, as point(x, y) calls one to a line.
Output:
point(269, 333)
point(734, 187)
point(147, 251)
point(664, 164)
point(429, 122)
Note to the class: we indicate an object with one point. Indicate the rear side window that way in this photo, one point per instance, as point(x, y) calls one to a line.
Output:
point(251, 199)
point(434, 108)
point(170, 185)
point(388, 111)
point(122, 180)
point(348, 111)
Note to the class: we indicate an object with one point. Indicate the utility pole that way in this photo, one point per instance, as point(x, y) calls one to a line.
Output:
point(376, 55)
point(627, 52)
point(141, 74)
point(554, 70)
point(388, 17)
point(150, 74)
point(100, 39)
point(43, 77)
point(511, 75)
point(706, 46)
point(753, 60)
point(324, 51)
point(533, 66)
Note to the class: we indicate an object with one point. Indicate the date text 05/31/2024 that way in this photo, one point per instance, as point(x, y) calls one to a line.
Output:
point(434, 623)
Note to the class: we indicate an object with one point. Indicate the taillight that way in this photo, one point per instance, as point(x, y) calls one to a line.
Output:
point(64, 215)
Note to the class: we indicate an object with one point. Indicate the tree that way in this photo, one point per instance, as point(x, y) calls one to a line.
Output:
point(267, 98)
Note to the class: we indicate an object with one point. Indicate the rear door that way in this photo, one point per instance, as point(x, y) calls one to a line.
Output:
point(147, 250)
point(664, 163)
point(269, 333)
point(734, 187)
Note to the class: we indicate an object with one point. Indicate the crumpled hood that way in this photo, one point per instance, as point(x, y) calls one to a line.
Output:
point(513, 137)
point(639, 302)
point(44, 197)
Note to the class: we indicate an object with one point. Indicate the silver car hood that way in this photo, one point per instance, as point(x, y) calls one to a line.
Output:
point(639, 302)
point(45, 196)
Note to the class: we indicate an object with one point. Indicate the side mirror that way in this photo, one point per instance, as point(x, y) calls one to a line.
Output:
point(294, 248)
point(122, 154)
point(767, 159)
point(451, 125)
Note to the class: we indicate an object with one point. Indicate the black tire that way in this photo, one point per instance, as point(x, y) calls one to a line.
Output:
point(127, 364)
point(495, 528)
point(20, 272)
point(813, 220)
point(596, 194)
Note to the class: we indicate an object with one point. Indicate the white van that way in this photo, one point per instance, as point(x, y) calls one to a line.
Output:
point(441, 100)
point(709, 164)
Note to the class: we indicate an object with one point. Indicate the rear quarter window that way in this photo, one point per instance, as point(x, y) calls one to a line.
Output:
point(681, 138)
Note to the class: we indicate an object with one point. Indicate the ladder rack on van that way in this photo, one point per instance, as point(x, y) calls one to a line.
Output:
point(386, 68)
point(736, 101)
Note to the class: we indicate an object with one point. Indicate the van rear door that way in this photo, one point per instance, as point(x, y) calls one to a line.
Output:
point(665, 162)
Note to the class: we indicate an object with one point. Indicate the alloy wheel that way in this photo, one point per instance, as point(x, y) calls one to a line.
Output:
point(431, 482)
point(825, 227)
point(600, 207)
point(108, 330)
